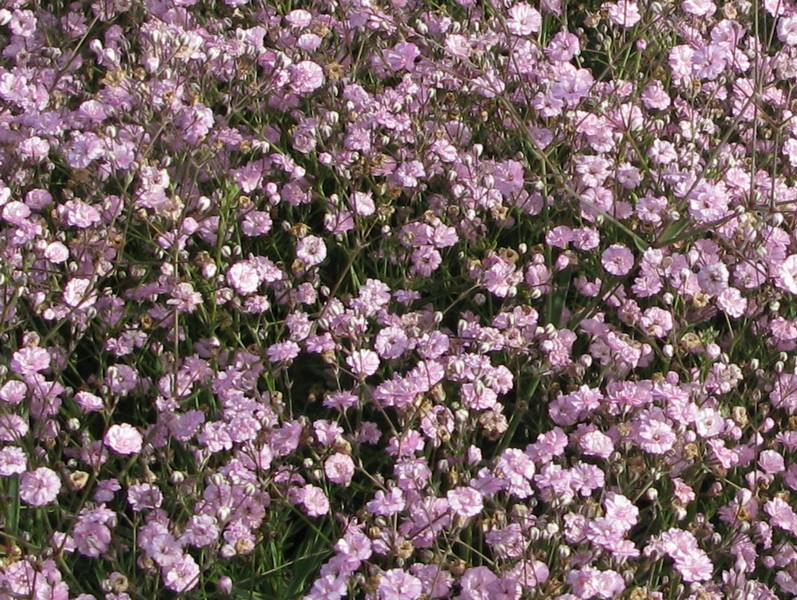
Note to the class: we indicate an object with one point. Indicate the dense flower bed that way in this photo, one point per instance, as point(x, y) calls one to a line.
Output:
point(398, 299)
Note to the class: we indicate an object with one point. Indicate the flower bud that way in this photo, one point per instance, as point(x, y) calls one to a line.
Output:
point(225, 585)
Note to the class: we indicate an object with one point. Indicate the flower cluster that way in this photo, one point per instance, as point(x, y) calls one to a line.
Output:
point(397, 300)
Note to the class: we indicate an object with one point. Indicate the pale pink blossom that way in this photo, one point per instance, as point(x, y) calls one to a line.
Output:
point(465, 501)
point(699, 8)
point(363, 363)
point(89, 402)
point(39, 487)
point(617, 260)
point(124, 439)
point(311, 250)
point(397, 584)
point(523, 19)
point(306, 77)
point(79, 293)
point(787, 30)
point(339, 468)
point(624, 13)
point(787, 275)
point(244, 277)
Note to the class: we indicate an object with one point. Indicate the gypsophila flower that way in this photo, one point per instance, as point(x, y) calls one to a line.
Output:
point(185, 298)
point(182, 575)
point(283, 352)
point(617, 260)
point(306, 77)
point(363, 362)
point(124, 439)
point(787, 30)
point(624, 12)
point(314, 500)
point(787, 274)
point(144, 496)
point(465, 501)
point(339, 468)
point(89, 402)
point(39, 487)
point(13, 461)
point(311, 250)
point(79, 293)
point(523, 19)
point(397, 584)
point(244, 277)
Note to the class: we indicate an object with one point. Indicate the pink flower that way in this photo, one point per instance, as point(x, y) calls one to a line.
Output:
point(465, 501)
point(655, 97)
point(195, 121)
point(708, 202)
point(621, 510)
point(314, 500)
point(656, 437)
point(339, 469)
point(12, 427)
point(617, 260)
point(476, 582)
point(28, 361)
point(78, 293)
point(771, 462)
point(79, 214)
point(56, 253)
point(306, 77)
point(201, 531)
point(283, 352)
point(89, 402)
point(387, 504)
point(341, 400)
point(244, 277)
point(39, 487)
point(362, 203)
point(787, 30)
point(402, 56)
point(124, 439)
point(787, 275)
point(34, 149)
point(523, 19)
point(144, 496)
point(397, 584)
point(311, 250)
point(182, 575)
point(596, 443)
point(587, 582)
point(391, 342)
point(781, 514)
point(657, 321)
point(699, 8)
point(684, 493)
point(731, 302)
point(16, 212)
point(363, 363)
point(13, 392)
point(693, 565)
point(185, 298)
point(13, 461)
point(623, 13)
